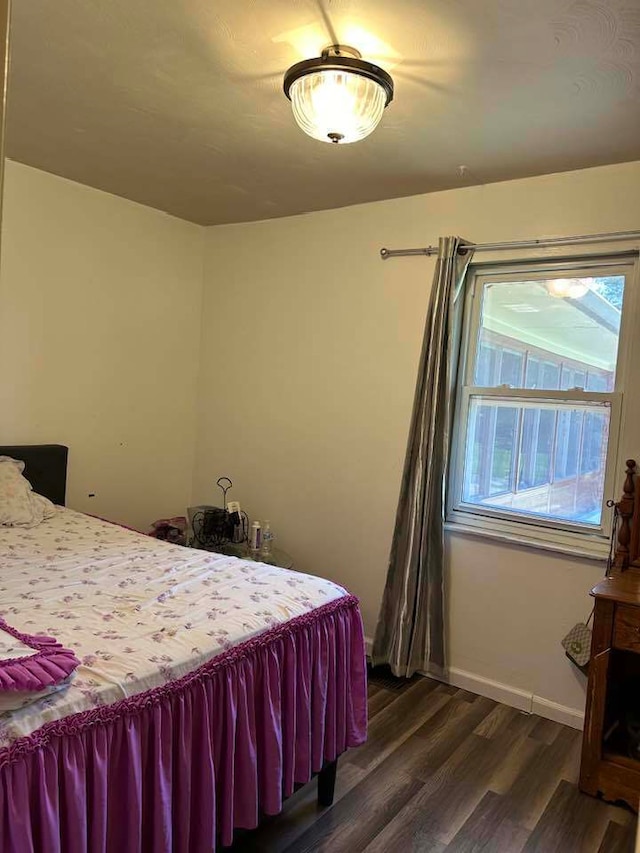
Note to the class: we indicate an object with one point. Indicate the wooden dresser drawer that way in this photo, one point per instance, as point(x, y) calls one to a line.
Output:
point(626, 628)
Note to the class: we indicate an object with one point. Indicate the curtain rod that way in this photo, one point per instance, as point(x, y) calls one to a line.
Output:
point(518, 244)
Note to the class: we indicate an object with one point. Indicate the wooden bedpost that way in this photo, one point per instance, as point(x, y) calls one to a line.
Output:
point(625, 509)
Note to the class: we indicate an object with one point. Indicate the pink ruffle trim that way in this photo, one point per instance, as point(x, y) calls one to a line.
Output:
point(77, 723)
point(51, 664)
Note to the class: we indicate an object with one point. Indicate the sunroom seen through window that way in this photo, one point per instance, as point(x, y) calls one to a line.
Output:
point(537, 406)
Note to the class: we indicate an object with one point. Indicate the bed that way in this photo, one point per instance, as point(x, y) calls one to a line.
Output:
point(208, 687)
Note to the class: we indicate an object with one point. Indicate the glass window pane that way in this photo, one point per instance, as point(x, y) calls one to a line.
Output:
point(503, 450)
point(511, 368)
point(594, 439)
point(486, 364)
point(565, 330)
point(532, 378)
point(536, 447)
point(572, 377)
point(567, 444)
point(550, 376)
point(478, 467)
point(557, 449)
point(599, 382)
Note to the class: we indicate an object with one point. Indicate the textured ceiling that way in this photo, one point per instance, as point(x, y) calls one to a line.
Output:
point(178, 103)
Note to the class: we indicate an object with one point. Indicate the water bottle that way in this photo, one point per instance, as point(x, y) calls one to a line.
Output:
point(267, 539)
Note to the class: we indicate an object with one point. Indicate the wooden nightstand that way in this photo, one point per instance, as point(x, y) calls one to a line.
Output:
point(614, 677)
point(610, 749)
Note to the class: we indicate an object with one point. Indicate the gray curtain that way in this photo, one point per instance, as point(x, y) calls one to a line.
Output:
point(410, 632)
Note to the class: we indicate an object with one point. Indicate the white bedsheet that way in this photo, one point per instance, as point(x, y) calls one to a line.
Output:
point(137, 612)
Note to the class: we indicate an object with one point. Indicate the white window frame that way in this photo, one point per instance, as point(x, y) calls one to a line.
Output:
point(562, 536)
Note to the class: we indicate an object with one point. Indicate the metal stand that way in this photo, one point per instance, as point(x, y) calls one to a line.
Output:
point(327, 784)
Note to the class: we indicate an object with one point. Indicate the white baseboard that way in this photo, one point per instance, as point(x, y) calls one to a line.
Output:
point(573, 717)
point(495, 690)
point(509, 695)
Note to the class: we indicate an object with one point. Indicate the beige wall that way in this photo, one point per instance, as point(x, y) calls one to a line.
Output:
point(99, 336)
point(309, 357)
point(303, 394)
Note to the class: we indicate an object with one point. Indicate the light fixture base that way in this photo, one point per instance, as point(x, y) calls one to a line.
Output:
point(334, 50)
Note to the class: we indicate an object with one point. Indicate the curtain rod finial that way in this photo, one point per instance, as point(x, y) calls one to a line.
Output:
point(384, 254)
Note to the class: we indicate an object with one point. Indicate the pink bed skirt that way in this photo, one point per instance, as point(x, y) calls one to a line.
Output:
point(178, 768)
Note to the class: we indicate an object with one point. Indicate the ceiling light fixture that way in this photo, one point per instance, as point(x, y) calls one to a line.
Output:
point(338, 97)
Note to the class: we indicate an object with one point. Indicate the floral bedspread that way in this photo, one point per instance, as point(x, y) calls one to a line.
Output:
point(136, 611)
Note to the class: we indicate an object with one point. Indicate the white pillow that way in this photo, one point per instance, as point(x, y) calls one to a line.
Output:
point(20, 506)
point(17, 462)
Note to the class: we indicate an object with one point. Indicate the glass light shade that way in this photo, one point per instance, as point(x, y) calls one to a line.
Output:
point(568, 288)
point(337, 106)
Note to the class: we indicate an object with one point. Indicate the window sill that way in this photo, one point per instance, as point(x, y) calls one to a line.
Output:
point(577, 545)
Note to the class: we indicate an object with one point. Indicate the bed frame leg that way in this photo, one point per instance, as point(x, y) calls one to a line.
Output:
point(327, 784)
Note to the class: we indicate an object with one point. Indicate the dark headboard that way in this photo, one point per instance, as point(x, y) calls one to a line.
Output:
point(45, 468)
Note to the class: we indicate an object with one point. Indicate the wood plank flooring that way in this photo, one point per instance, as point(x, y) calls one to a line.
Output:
point(446, 770)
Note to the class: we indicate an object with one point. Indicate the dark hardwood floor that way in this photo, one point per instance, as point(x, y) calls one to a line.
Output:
point(444, 769)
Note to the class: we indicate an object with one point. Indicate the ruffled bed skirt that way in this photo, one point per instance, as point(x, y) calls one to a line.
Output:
point(179, 767)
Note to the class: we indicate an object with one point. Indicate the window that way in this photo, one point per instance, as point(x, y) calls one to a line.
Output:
point(539, 401)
